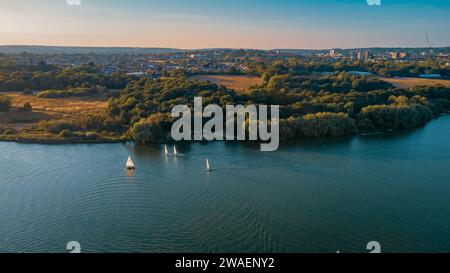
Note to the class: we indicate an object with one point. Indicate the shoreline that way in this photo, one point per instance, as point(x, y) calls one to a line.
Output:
point(51, 141)
point(61, 141)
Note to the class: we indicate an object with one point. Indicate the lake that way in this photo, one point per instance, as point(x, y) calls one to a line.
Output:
point(319, 195)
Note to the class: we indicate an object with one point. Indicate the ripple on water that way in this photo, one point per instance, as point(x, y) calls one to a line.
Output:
point(304, 197)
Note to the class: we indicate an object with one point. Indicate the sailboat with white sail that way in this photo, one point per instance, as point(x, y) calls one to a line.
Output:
point(130, 164)
point(175, 152)
point(166, 151)
point(208, 166)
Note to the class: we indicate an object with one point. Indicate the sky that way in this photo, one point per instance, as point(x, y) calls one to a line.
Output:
point(262, 24)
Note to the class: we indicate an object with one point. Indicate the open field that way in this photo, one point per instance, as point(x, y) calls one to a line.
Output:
point(238, 83)
point(47, 109)
point(412, 82)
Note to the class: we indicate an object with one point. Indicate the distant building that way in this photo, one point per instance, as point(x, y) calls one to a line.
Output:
point(398, 55)
point(393, 55)
point(332, 53)
point(359, 55)
point(366, 55)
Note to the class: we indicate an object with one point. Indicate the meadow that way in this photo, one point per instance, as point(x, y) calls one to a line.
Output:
point(237, 82)
point(413, 82)
point(25, 124)
point(70, 108)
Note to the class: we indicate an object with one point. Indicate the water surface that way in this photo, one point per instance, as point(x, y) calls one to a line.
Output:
point(310, 196)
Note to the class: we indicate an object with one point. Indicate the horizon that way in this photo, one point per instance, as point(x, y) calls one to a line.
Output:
point(199, 24)
point(217, 48)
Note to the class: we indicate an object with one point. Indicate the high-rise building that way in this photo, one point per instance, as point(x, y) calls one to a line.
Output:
point(364, 55)
point(397, 55)
point(359, 55)
point(393, 55)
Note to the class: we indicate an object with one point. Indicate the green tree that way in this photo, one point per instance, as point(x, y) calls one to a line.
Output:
point(149, 130)
point(27, 107)
point(5, 103)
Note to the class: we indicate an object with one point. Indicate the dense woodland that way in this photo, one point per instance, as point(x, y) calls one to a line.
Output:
point(316, 99)
point(311, 105)
point(43, 77)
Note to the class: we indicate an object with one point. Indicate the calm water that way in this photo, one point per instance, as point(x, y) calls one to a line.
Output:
point(310, 196)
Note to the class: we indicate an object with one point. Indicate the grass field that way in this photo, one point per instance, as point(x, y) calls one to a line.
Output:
point(238, 83)
point(412, 82)
point(46, 109)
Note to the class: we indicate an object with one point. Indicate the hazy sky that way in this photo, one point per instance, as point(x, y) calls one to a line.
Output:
point(225, 23)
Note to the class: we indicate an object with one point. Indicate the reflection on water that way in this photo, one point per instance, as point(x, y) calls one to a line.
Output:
point(130, 173)
point(310, 196)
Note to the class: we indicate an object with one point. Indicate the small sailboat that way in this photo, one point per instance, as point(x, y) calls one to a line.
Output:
point(166, 151)
point(130, 164)
point(175, 153)
point(208, 166)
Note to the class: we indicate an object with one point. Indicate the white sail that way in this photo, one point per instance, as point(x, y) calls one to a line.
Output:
point(166, 151)
point(130, 163)
point(175, 150)
point(207, 164)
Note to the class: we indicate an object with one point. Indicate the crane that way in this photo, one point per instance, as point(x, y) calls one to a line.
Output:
point(430, 47)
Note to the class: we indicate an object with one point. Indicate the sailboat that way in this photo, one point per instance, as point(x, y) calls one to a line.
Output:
point(130, 164)
point(166, 151)
point(175, 153)
point(208, 167)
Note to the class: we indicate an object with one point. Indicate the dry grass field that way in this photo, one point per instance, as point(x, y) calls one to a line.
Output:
point(238, 83)
point(46, 109)
point(412, 82)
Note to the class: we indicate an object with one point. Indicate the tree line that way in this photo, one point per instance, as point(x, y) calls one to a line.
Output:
point(83, 76)
point(313, 101)
point(310, 105)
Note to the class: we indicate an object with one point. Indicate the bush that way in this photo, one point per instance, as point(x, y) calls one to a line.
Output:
point(9, 132)
point(113, 125)
point(52, 94)
point(27, 107)
point(92, 135)
point(93, 122)
point(27, 92)
point(72, 92)
point(57, 126)
point(5, 103)
point(66, 134)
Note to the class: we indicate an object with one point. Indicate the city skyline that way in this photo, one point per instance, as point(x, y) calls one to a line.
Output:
point(225, 24)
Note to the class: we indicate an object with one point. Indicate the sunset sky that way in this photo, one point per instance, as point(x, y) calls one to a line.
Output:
point(225, 23)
